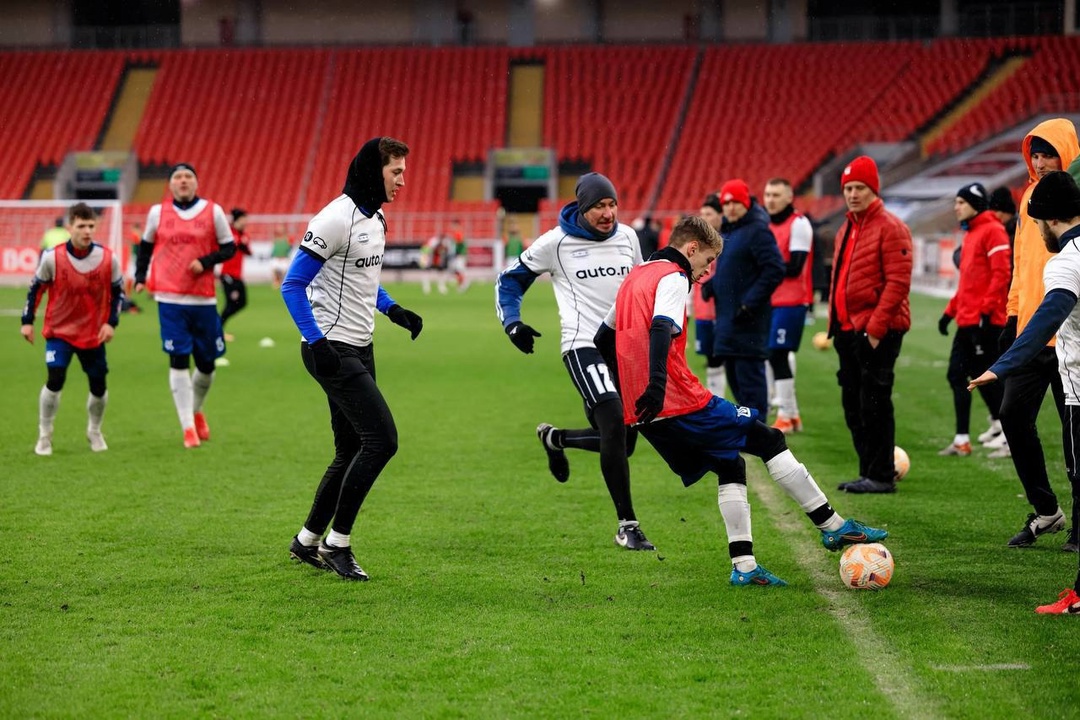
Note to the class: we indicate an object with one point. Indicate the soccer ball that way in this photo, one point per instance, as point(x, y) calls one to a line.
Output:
point(866, 567)
point(821, 340)
point(901, 462)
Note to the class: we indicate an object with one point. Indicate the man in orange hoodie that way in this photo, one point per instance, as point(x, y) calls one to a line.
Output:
point(1052, 145)
point(868, 316)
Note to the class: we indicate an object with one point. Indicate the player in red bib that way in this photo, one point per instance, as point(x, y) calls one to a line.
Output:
point(692, 429)
point(186, 237)
point(84, 284)
point(232, 273)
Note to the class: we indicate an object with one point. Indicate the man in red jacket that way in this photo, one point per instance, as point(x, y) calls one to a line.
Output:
point(868, 316)
point(979, 309)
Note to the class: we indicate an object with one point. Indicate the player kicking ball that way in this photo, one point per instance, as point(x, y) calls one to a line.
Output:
point(692, 429)
point(84, 284)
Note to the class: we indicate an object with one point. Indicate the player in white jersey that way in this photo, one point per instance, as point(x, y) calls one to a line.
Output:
point(1054, 205)
point(186, 237)
point(332, 291)
point(84, 284)
point(587, 255)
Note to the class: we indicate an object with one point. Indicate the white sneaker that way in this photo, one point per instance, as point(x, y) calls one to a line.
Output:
point(996, 443)
point(44, 445)
point(1001, 452)
point(97, 442)
point(991, 433)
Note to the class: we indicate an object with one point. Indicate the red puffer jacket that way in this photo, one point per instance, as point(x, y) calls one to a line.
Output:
point(872, 278)
point(985, 272)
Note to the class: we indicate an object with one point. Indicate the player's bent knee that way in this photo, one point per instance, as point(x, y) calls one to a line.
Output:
point(97, 386)
point(206, 367)
point(180, 362)
point(56, 378)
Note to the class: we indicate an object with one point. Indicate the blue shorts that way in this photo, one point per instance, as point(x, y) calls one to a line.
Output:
point(703, 336)
point(191, 330)
point(691, 444)
point(787, 327)
point(58, 355)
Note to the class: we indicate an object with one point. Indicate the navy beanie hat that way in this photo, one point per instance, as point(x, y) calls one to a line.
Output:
point(1055, 197)
point(591, 189)
point(713, 200)
point(1038, 145)
point(976, 196)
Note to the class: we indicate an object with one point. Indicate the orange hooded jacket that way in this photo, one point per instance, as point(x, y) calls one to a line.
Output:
point(1029, 251)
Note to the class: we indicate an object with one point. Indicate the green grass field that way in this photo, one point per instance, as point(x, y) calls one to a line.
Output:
point(151, 581)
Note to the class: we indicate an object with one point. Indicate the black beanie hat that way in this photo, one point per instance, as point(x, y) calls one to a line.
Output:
point(182, 166)
point(974, 194)
point(1055, 197)
point(1002, 200)
point(238, 213)
point(364, 181)
point(591, 189)
point(713, 200)
point(1038, 145)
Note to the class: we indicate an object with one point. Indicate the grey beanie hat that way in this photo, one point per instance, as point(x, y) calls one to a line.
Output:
point(592, 188)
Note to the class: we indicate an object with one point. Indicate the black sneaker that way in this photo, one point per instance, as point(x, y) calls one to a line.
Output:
point(868, 485)
point(306, 553)
point(341, 561)
point(631, 538)
point(1037, 525)
point(1070, 542)
point(843, 485)
point(557, 462)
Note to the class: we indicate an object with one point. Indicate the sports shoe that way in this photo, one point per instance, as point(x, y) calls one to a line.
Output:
point(962, 449)
point(341, 561)
point(1001, 452)
point(1068, 603)
point(191, 438)
point(997, 442)
point(991, 433)
point(306, 553)
point(757, 576)
point(843, 485)
point(852, 532)
point(44, 445)
point(97, 441)
point(201, 426)
point(557, 462)
point(1070, 544)
point(1037, 525)
point(866, 485)
point(788, 425)
point(632, 538)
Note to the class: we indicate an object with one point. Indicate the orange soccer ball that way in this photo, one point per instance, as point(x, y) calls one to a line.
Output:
point(866, 567)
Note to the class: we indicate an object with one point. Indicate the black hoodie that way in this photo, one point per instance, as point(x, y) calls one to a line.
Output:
point(364, 183)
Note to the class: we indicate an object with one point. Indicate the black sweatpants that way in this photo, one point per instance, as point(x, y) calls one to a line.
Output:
point(365, 437)
point(973, 351)
point(1024, 393)
point(235, 297)
point(866, 381)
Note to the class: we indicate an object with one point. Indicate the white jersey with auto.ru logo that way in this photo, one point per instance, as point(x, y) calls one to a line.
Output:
point(586, 275)
point(343, 293)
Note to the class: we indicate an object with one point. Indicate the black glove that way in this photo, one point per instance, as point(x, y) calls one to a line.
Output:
point(327, 360)
point(943, 324)
point(1008, 335)
point(406, 319)
point(706, 290)
point(651, 402)
point(522, 336)
point(743, 315)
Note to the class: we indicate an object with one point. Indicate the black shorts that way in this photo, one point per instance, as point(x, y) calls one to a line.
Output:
point(591, 376)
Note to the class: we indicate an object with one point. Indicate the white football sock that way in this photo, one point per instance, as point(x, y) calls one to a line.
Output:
point(180, 384)
point(95, 411)
point(960, 439)
point(48, 404)
point(785, 391)
point(307, 538)
point(770, 383)
point(337, 540)
point(735, 509)
point(791, 362)
point(200, 385)
point(793, 477)
point(716, 381)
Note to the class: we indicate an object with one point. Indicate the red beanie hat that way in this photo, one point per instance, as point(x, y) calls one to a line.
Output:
point(735, 190)
point(862, 169)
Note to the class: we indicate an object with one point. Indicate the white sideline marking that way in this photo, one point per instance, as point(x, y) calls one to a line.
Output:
point(891, 676)
point(981, 668)
point(10, 312)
